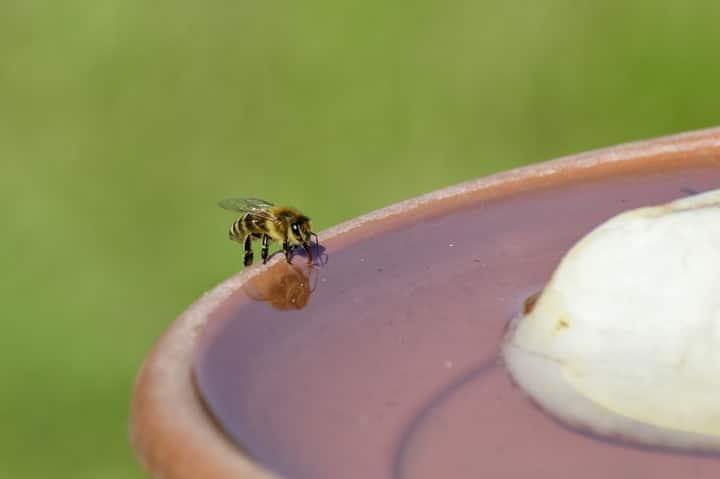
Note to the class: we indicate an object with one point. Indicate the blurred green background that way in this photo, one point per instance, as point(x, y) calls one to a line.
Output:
point(122, 123)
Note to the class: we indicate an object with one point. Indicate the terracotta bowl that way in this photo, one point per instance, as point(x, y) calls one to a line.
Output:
point(384, 361)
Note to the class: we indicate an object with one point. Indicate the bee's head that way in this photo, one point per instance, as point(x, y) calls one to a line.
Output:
point(300, 230)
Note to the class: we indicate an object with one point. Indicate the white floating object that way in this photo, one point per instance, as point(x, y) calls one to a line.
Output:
point(625, 339)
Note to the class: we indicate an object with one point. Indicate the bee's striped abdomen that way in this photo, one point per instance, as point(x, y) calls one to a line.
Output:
point(237, 231)
point(247, 225)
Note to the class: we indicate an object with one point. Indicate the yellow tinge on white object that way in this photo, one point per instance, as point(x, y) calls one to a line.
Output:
point(625, 338)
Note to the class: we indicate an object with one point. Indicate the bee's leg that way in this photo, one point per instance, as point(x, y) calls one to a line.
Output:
point(248, 250)
point(264, 250)
point(288, 251)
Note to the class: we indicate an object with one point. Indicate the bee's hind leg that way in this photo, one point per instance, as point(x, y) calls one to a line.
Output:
point(248, 250)
point(264, 250)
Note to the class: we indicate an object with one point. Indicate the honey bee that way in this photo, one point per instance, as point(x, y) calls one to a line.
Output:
point(264, 221)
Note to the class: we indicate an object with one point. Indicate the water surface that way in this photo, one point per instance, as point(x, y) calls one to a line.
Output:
point(391, 370)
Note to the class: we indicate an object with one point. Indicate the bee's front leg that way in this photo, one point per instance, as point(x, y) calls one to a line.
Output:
point(288, 251)
point(308, 251)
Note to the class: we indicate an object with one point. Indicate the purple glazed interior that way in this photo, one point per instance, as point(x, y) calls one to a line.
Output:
point(391, 370)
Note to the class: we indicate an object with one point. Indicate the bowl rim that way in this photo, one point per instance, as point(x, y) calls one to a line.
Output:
point(172, 432)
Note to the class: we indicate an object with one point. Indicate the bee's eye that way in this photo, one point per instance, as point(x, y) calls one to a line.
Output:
point(295, 228)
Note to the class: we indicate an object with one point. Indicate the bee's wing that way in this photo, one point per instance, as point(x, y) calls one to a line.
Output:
point(256, 206)
point(245, 205)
